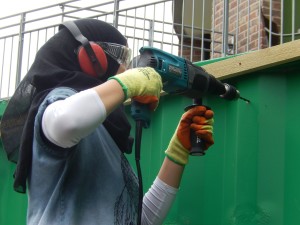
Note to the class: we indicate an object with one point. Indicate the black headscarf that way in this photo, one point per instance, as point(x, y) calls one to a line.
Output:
point(56, 65)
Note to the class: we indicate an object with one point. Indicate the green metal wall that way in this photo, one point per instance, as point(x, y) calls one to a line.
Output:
point(12, 205)
point(249, 177)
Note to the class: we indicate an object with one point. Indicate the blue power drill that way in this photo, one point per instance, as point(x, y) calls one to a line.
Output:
point(181, 77)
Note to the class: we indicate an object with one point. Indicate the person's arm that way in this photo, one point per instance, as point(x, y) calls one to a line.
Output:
point(161, 195)
point(199, 120)
point(159, 198)
point(111, 94)
point(66, 122)
point(171, 173)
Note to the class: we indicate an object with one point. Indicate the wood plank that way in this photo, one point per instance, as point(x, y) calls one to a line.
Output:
point(254, 61)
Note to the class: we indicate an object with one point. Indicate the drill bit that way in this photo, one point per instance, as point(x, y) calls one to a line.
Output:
point(246, 100)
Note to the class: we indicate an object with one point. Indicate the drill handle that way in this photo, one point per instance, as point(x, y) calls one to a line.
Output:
point(196, 143)
point(141, 112)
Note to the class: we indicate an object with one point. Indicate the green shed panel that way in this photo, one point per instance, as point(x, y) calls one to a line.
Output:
point(12, 205)
point(249, 177)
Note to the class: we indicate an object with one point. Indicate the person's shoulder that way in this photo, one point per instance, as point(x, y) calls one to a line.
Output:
point(62, 92)
point(59, 93)
point(56, 94)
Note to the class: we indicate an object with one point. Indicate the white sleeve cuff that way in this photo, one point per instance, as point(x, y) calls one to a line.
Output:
point(157, 202)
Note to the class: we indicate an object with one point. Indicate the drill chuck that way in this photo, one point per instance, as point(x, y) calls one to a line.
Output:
point(231, 93)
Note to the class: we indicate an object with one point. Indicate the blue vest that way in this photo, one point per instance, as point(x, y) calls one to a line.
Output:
point(90, 183)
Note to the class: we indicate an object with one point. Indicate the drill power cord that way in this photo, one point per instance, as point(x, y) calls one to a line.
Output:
point(138, 140)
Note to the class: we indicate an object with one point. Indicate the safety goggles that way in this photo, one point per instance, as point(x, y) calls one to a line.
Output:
point(120, 53)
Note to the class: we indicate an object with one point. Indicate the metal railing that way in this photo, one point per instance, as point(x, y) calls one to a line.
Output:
point(194, 29)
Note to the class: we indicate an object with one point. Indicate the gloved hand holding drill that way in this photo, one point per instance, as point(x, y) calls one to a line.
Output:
point(142, 84)
point(199, 119)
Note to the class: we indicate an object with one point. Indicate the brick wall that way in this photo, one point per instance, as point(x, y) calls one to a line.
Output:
point(247, 24)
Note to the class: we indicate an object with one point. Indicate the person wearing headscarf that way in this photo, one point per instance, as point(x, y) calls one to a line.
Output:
point(68, 132)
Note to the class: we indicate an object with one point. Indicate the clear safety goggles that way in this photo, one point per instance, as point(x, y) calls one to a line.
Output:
point(120, 53)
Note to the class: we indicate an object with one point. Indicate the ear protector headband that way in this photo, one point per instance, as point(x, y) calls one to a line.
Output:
point(92, 58)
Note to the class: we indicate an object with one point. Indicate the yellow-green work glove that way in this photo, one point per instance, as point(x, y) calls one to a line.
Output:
point(199, 119)
point(142, 84)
